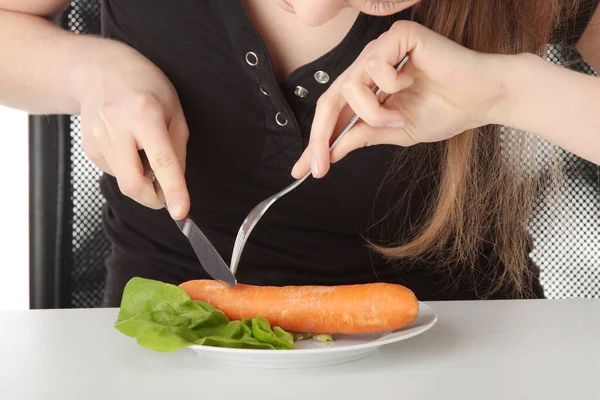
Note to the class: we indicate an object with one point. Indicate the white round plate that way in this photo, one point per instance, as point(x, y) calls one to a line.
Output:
point(311, 353)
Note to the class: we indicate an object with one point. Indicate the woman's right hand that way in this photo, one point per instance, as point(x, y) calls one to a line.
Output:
point(127, 104)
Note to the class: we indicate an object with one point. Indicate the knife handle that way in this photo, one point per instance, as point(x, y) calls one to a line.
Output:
point(149, 173)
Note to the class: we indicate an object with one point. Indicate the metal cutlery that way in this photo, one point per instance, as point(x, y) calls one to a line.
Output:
point(260, 209)
point(208, 256)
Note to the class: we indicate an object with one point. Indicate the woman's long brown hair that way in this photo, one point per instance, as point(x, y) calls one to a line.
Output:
point(486, 194)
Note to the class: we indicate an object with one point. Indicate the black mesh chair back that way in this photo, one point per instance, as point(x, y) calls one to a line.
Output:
point(68, 246)
point(67, 242)
point(565, 224)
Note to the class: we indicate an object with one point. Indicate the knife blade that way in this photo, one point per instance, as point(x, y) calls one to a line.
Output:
point(209, 257)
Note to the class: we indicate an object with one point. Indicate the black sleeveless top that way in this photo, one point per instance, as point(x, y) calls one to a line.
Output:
point(246, 132)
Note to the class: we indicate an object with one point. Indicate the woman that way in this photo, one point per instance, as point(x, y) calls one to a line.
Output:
point(221, 96)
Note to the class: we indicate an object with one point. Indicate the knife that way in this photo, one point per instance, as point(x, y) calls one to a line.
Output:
point(208, 256)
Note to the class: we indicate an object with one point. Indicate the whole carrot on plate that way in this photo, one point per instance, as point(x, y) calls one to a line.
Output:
point(347, 309)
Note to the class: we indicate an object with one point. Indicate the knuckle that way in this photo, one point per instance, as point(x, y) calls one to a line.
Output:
point(346, 85)
point(400, 26)
point(372, 63)
point(109, 114)
point(130, 187)
point(144, 104)
point(385, 37)
point(165, 160)
point(97, 131)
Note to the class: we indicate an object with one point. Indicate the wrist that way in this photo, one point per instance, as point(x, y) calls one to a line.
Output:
point(508, 77)
point(82, 63)
point(92, 54)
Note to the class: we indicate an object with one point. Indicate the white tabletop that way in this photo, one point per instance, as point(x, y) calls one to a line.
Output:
point(545, 349)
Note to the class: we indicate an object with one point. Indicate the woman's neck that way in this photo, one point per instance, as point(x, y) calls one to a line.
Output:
point(292, 44)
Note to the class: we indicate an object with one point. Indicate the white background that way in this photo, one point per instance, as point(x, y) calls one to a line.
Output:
point(14, 210)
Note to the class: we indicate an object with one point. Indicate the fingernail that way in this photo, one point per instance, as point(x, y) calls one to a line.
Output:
point(396, 124)
point(315, 165)
point(294, 169)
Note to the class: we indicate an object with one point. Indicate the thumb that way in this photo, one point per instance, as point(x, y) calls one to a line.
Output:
point(364, 135)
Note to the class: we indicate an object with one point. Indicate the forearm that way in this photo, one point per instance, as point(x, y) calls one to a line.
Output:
point(589, 43)
point(554, 103)
point(38, 63)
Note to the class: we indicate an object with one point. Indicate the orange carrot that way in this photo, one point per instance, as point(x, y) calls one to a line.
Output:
point(350, 309)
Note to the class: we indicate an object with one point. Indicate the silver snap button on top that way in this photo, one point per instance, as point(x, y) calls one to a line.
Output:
point(321, 77)
point(251, 58)
point(280, 119)
point(263, 91)
point(300, 91)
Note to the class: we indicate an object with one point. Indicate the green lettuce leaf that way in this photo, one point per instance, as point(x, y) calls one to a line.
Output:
point(261, 330)
point(162, 317)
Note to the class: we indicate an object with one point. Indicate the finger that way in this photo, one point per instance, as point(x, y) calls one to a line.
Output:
point(303, 165)
point(101, 163)
point(96, 158)
point(91, 150)
point(124, 161)
point(363, 135)
point(358, 93)
point(366, 105)
point(179, 132)
point(327, 113)
point(167, 167)
point(385, 76)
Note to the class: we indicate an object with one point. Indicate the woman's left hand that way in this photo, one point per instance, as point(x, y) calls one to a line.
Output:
point(444, 89)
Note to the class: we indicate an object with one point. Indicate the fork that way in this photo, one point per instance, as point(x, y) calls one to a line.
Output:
point(261, 208)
